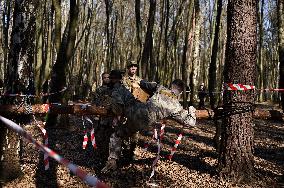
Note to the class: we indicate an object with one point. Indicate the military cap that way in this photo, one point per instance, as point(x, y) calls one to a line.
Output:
point(115, 74)
point(132, 64)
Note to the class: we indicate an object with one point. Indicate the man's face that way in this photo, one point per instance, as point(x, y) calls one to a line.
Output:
point(132, 71)
point(106, 79)
point(175, 89)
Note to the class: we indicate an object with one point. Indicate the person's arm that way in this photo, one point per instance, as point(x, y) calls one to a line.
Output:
point(117, 103)
point(149, 87)
point(186, 117)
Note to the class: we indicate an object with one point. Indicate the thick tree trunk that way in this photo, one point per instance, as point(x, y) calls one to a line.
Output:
point(281, 47)
point(58, 78)
point(57, 38)
point(14, 79)
point(212, 85)
point(236, 154)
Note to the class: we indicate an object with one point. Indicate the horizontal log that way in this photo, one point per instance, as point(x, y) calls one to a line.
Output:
point(79, 109)
point(258, 114)
point(87, 109)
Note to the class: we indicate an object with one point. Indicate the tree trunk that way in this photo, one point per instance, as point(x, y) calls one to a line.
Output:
point(195, 57)
point(281, 47)
point(186, 52)
point(58, 78)
point(148, 44)
point(108, 4)
point(236, 155)
point(138, 28)
point(57, 31)
point(6, 25)
point(260, 51)
point(212, 85)
point(14, 79)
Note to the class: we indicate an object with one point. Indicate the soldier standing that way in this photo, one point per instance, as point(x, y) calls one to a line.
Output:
point(139, 116)
point(102, 97)
point(103, 91)
point(201, 95)
point(130, 80)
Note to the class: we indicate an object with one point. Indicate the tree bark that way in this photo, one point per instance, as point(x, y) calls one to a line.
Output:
point(186, 52)
point(138, 27)
point(148, 44)
point(195, 56)
point(57, 31)
point(236, 154)
point(212, 85)
point(260, 50)
point(58, 78)
point(281, 47)
point(16, 62)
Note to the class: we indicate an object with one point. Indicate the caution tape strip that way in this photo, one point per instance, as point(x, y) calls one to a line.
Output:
point(28, 95)
point(84, 176)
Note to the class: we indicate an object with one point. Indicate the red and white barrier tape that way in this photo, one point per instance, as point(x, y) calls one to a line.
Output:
point(85, 141)
point(162, 131)
point(93, 140)
point(239, 87)
point(280, 90)
point(45, 139)
point(156, 159)
point(40, 95)
point(175, 146)
point(92, 133)
point(84, 176)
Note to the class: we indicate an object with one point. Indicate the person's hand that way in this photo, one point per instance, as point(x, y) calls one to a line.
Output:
point(135, 85)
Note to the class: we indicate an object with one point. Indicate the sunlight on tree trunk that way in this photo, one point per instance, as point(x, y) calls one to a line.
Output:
point(236, 155)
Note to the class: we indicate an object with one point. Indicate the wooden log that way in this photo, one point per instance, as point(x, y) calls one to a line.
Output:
point(77, 109)
point(88, 109)
point(258, 114)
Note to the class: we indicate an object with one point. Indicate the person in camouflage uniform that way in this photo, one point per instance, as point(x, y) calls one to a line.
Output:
point(163, 103)
point(101, 97)
point(102, 92)
point(130, 80)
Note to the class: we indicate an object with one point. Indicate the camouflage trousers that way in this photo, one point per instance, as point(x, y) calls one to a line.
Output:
point(117, 143)
point(114, 146)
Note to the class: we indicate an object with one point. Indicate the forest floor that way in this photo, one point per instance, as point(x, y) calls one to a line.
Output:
point(193, 164)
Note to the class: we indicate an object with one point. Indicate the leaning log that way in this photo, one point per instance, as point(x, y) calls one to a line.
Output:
point(88, 109)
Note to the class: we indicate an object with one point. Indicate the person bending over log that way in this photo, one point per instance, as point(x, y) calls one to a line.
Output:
point(132, 115)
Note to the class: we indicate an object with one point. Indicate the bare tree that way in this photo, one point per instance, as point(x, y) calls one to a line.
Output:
point(212, 85)
point(281, 46)
point(147, 54)
point(236, 154)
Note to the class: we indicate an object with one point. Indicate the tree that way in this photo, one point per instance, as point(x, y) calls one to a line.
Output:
point(18, 78)
point(213, 65)
point(260, 49)
point(147, 54)
point(58, 78)
point(281, 46)
point(236, 153)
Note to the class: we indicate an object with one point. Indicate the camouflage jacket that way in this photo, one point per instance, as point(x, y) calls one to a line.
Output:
point(162, 104)
point(121, 99)
point(127, 81)
point(101, 96)
point(165, 104)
